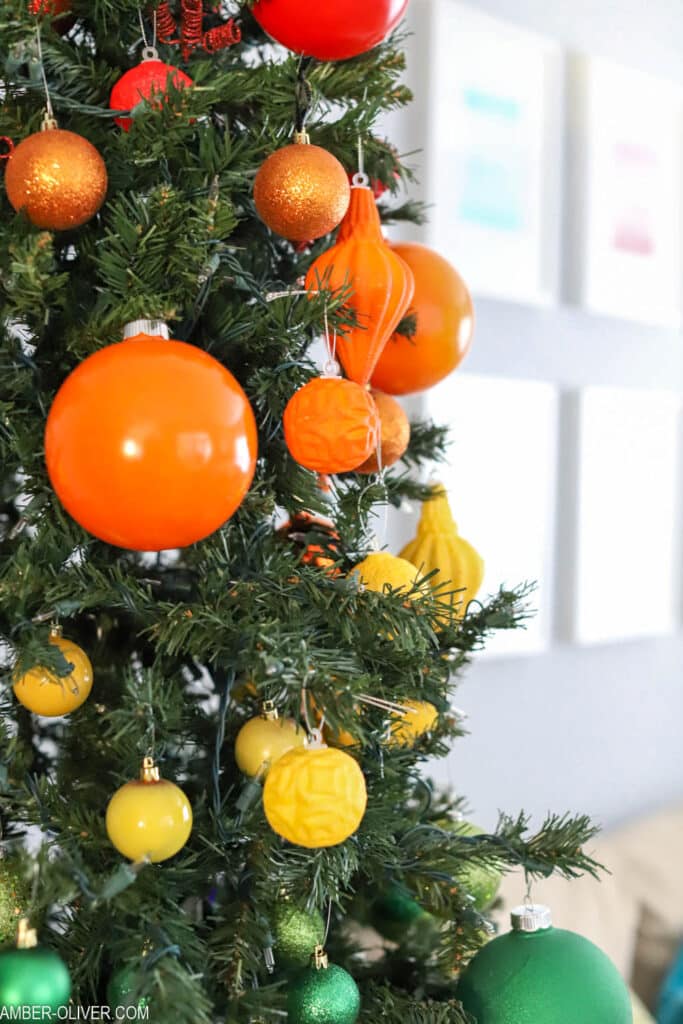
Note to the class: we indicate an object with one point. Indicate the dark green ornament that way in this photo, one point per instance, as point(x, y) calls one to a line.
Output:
point(323, 995)
point(395, 914)
point(33, 977)
point(14, 896)
point(122, 989)
point(543, 976)
point(297, 932)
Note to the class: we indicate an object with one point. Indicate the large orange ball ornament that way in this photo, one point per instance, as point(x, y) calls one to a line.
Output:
point(57, 178)
point(445, 322)
point(331, 425)
point(151, 444)
point(394, 434)
point(301, 192)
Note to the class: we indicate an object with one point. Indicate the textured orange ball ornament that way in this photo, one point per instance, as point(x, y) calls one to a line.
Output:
point(315, 797)
point(57, 178)
point(331, 425)
point(301, 192)
point(394, 434)
point(445, 323)
point(151, 444)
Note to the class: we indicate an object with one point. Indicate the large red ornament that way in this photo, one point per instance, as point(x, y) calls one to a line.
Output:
point(331, 425)
point(382, 284)
point(329, 30)
point(150, 444)
point(145, 82)
point(445, 321)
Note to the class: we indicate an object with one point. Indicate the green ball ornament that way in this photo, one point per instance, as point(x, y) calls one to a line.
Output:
point(481, 883)
point(395, 913)
point(14, 896)
point(122, 987)
point(297, 932)
point(537, 974)
point(322, 994)
point(33, 977)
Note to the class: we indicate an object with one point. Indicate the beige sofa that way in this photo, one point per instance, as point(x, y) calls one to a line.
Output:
point(635, 913)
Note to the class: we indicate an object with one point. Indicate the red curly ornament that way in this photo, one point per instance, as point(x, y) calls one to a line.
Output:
point(191, 36)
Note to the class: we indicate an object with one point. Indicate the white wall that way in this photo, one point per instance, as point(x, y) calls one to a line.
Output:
point(595, 729)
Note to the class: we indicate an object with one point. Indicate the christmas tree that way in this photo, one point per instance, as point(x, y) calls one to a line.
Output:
point(218, 695)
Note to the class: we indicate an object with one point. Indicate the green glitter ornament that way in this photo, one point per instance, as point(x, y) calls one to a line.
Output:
point(481, 883)
point(395, 914)
point(537, 974)
point(322, 994)
point(14, 896)
point(297, 932)
point(122, 987)
point(32, 976)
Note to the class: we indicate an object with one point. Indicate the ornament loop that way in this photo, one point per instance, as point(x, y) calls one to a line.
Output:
point(331, 368)
point(26, 936)
point(49, 123)
point(360, 180)
point(149, 53)
point(5, 140)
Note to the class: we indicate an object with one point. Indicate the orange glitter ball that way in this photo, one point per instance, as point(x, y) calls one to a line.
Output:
point(394, 434)
point(301, 192)
point(331, 425)
point(58, 178)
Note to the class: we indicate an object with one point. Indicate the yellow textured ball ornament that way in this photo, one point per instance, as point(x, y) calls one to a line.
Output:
point(58, 178)
point(149, 818)
point(301, 191)
point(45, 693)
point(315, 797)
point(382, 570)
point(419, 718)
point(262, 741)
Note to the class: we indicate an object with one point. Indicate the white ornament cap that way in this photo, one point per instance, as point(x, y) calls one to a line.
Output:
point(157, 328)
point(533, 917)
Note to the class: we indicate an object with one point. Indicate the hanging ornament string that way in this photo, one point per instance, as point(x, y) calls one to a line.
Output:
point(331, 367)
point(303, 95)
point(360, 178)
point(49, 120)
point(149, 52)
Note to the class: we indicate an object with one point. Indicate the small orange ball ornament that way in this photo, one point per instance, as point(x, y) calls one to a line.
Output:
point(149, 818)
point(150, 444)
point(394, 434)
point(445, 322)
point(301, 191)
point(57, 178)
point(315, 796)
point(45, 693)
point(331, 425)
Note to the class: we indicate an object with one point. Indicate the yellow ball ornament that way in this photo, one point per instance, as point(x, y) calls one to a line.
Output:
point(381, 570)
point(262, 741)
point(315, 796)
point(149, 818)
point(419, 718)
point(45, 693)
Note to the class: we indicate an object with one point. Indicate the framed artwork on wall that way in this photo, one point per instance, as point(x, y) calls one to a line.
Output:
point(624, 195)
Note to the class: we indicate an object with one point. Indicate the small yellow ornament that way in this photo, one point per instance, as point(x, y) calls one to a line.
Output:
point(382, 570)
point(262, 741)
point(149, 818)
point(315, 796)
point(46, 693)
point(419, 718)
point(439, 546)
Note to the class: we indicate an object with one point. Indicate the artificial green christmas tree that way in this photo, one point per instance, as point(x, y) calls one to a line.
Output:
point(141, 225)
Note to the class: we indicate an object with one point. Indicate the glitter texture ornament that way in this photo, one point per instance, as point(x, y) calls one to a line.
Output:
point(46, 693)
point(331, 425)
point(381, 571)
point(329, 31)
point(322, 994)
point(301, 191)
point(394, 429)
point(14, 895)
point(150, 443)
point(122, 989)
point(540, 973)
point(262, 741)
point(297, 932)
point(444, 315)
point(57, 178)
point(315, 796)
point(147, 81)
point(33, 976)
point(418, 718)
point(149, 818)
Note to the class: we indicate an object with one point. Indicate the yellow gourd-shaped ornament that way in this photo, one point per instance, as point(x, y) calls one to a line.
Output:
point(439, 546)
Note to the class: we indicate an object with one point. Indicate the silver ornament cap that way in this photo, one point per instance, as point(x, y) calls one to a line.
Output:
point(157, 328)
point(534, 917)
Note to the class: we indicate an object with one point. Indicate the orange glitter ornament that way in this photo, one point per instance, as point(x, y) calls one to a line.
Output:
point(394, 434)
point(331, 425)
point(301, 191)
point(57, 178)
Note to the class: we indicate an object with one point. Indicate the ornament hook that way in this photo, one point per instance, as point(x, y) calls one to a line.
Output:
point(5, 140)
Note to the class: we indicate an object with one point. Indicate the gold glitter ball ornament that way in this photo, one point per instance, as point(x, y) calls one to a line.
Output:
point(315, 797)
point(58, 178)
point(301, 192)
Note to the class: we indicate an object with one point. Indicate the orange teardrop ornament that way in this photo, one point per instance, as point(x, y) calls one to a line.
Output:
point(382, 284)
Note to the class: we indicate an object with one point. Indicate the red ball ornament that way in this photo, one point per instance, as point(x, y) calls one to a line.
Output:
point(333, 30)
point(148, 81)
point(150, 444)
point(331, 425)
